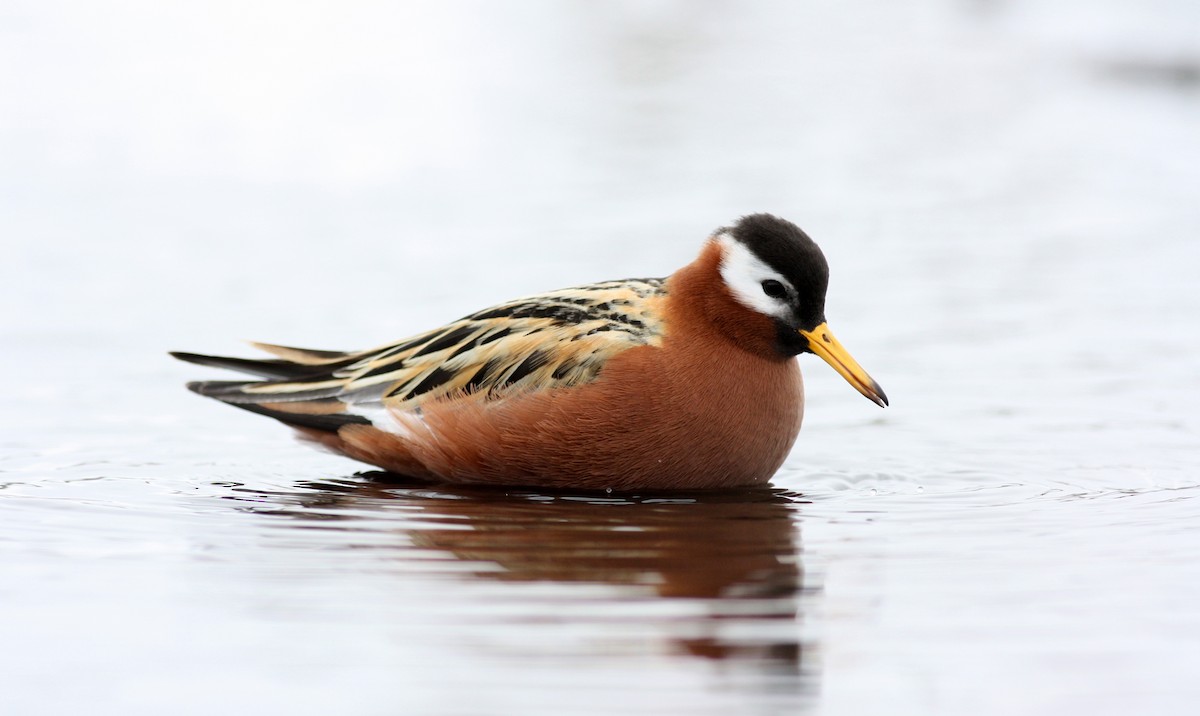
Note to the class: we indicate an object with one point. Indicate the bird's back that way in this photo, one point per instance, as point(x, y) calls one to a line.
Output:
point(553, 340)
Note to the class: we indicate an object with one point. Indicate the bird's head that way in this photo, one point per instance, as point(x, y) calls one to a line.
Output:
point(773, 268)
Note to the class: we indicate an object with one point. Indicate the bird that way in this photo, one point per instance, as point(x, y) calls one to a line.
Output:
point(687, 382)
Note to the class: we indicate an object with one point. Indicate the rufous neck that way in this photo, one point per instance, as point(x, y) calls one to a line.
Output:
point(700, 300)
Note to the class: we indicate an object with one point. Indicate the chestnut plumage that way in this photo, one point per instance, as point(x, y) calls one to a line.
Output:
point(678, 383)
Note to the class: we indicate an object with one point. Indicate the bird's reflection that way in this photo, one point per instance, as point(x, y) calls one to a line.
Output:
point(732, 555)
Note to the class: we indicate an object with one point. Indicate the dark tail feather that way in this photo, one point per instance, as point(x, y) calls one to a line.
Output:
point(267, 367)
point(217, 388)
point(309, 413)
point(326, 423)
point(235, 391)
point(300, 405)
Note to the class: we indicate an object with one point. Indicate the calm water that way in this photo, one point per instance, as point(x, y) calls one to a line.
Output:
point(1009, 196)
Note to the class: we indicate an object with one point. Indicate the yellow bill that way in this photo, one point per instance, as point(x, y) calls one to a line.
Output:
point(822, 342)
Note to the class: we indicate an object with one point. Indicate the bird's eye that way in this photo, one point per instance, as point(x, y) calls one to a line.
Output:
point(774, 289)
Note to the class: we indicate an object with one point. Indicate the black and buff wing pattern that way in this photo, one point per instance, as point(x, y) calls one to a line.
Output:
point(557, 339)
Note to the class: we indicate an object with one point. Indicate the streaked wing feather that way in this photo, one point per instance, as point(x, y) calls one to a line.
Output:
point(303, 356)
point(556, 339)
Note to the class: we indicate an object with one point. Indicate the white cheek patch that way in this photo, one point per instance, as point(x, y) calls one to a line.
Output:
point(744, 273)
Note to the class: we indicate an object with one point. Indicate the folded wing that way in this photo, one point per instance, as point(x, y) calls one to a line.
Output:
point(553, 340)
